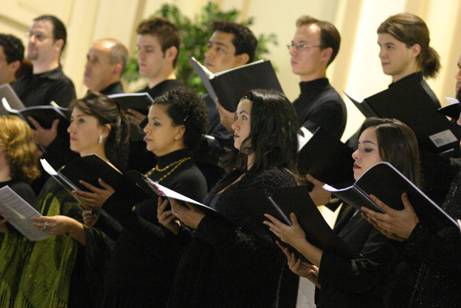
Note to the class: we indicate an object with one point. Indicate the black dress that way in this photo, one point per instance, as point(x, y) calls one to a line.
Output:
point(432, 274)
point(142, 265)
point(364, 279)
point(225, 264)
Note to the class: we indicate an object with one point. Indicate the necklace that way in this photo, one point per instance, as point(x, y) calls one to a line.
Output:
point(173, 166)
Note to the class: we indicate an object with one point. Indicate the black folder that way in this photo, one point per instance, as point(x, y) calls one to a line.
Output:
point(281, 202)
point(137, 101)
point(327, 159)
point(452, 109)
point(387, 183)
point(43, 114)
point(229, 86)
point(415, 107)
point(90, 169)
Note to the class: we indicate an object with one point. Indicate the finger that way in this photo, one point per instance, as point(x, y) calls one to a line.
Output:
point(42, 219)
point(34, 123)
point(313, 180)
point(274, 220)
point(373, 215)
point(90, 187)
point(294, 219)
point(54, 125)
point(406, 202)
point(382, 205)
point(105, 185)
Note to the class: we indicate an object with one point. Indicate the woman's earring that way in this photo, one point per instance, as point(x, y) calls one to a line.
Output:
point(100, 139)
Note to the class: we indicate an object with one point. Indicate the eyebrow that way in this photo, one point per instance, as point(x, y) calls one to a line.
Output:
point(368, 142)
point(217, 43)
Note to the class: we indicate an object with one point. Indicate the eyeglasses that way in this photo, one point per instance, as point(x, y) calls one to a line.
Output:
point(301, 46)
point(39, 36)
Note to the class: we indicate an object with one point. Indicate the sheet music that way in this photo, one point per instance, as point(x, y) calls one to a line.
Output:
point(19, 213)
point(166, 192)
point(304, 138)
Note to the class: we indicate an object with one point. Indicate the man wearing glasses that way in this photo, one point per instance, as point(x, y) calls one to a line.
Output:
point(47, 40)
point(46, 83)
point(314, 46)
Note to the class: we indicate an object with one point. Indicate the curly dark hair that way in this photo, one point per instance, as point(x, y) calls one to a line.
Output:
point(185, 107)
point(244, 40)
point(274, 126)
point(12, 48)
point(107, 111)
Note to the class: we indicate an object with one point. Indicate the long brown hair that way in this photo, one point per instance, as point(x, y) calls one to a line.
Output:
point(411, 29)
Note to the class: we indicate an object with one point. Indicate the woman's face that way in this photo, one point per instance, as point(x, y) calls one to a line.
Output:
point(84, 133)
point(367, 153)
point(242, 122)
point(162, 135)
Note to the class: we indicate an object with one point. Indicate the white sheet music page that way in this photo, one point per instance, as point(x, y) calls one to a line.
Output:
point(19, 213)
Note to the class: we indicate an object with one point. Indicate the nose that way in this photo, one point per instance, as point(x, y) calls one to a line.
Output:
point(235, 126)
point(355, 155)
point(70, 128)
point(146, 128)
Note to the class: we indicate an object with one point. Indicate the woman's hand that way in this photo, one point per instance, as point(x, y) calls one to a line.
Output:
point(187, 214)
point(394, 224)
point(300, 267)
point(95, 197)
point(55, 225)
point(165, 216)
point(319, 195)
point(292, 235)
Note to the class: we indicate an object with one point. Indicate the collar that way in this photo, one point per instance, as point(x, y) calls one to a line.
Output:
point(412, 78)
point(113, 88)
point(54, 74)
point(169, 158)
point(314, 85)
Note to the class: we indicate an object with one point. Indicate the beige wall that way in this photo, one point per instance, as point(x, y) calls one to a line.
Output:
point(356, 70)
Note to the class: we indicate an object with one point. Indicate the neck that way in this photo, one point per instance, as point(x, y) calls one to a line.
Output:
point(110, 82)
point(314, 76)
point(174, 148)
point(5, 174)
point(39, 67)
point(410, 70)
point(158, 79)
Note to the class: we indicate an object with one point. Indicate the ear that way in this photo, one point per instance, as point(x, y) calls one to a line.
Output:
point(327, 54)
point(242, 59)
point(415, 50)
point(180, 131)
point(117, 69)
point(171, 53)
point(59, 43)
point(105, 130)
point(14, 66)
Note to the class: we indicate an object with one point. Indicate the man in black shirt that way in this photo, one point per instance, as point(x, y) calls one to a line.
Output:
point(45, 83)
point(105, 62)
point(231, 45)
point(11, 57)
point(314, 46)
point(158, 48)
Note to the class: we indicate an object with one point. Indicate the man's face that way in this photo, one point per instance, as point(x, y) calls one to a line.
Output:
point(7, 70)
point(99, 71)
point(307, 58)
point(151, 58)
point(220, 54)
point(397, 60)
point(41, 45)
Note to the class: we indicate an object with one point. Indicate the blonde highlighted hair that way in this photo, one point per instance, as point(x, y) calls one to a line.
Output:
point(19, 148)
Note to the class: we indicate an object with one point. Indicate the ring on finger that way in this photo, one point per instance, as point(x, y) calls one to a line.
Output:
point(45, 226)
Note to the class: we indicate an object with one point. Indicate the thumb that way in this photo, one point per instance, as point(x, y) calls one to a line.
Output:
point(54, 125)
point(294, 219)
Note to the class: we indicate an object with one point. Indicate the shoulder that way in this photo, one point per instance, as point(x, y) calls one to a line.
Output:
point(270, 178)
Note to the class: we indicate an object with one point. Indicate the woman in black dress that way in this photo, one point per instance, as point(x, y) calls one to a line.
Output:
point(141, 266)
point(362, 280)
point(226, 263)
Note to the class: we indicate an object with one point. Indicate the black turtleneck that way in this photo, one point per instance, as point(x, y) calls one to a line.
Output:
point(320, 105)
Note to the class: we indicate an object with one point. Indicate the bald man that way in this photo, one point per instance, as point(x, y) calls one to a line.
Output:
point(105, 62)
